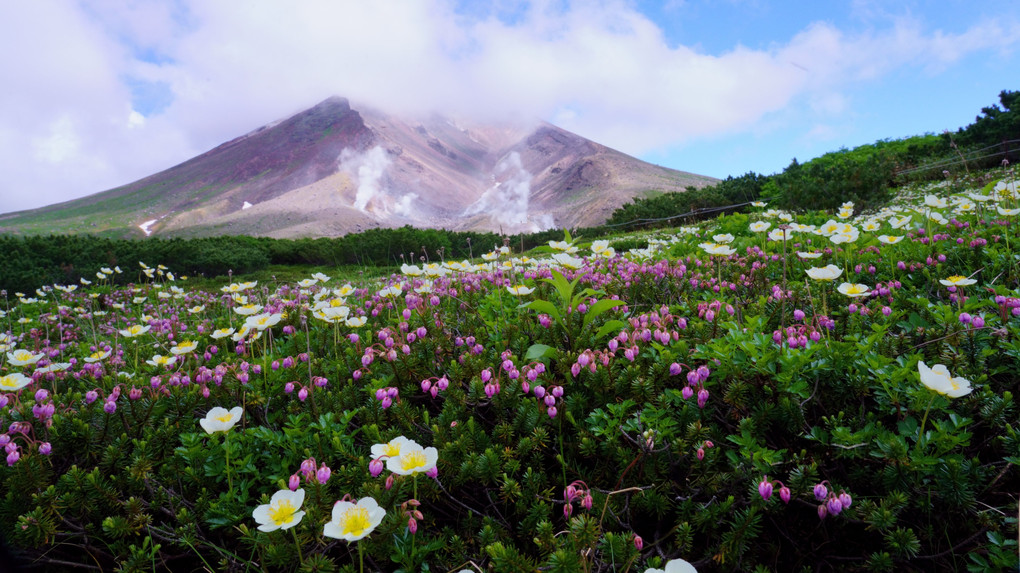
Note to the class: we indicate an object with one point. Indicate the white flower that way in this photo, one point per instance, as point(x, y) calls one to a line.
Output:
point(97, 356)
point(220, 419)
point(356, 322)
point(14, 381)
point(160, 360)
point(353, 521)
point(393, 448)
point(134, 330)
point(222, 333)
point(263, 321)
point(520, 290)
point(410, 270)
point(938, 379)
point(281, 512)
point(413, 460)
point(248, 309)
point(723, 238)
point(184, 347)
point(675, 566)
point(889, 239)
point(957, 280)
point(804, 255)
point(22, 357)
point(826, 273)
point(565, 260)
point(717, 249)
point(760, 226)
point(853, 290)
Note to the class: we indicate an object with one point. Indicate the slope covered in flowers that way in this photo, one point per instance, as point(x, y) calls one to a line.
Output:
point(770, 391)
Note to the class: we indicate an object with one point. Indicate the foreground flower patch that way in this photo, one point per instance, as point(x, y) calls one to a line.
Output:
point(714, 400)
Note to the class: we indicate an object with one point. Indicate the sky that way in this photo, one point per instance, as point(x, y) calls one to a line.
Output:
point(100, 93)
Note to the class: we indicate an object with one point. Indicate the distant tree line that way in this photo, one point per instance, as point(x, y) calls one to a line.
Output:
point(865, 174)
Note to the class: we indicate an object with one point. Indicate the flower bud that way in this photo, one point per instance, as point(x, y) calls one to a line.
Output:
point(784, 494)
point(833, 505)
point(844, 499)
point(821, 492)
point(765, 488)
point(375, 467)
point(639, 543)
point(294, 482)
point(323, 473)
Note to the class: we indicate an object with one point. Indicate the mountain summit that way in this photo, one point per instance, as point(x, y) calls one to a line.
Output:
point(332, 170)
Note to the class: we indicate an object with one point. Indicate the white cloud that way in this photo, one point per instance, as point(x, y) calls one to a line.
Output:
point(70, 123)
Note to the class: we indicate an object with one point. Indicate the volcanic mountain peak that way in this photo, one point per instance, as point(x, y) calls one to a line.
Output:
point(331, 170)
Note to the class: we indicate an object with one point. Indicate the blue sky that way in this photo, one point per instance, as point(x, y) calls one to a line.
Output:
point(104, 92)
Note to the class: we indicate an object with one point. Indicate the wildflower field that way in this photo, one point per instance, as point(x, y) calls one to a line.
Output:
point(768, 391)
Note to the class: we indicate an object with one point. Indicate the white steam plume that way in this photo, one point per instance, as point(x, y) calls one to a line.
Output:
point(506, 202)
point(368, 169)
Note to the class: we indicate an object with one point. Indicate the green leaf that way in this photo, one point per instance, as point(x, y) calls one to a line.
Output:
point(540, 352)
point(544, 307)
point(598, 308)
point(610, 326)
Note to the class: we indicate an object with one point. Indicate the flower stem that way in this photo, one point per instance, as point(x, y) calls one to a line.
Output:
point(226, 451)
point(920, 434)
point(301, 558)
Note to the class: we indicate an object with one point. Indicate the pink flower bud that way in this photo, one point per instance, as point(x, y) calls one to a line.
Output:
point(389, 482)
point(821, 492)
point(844, 499)
point(567, 508)
point(45, 448)
point(765, 488)
point(323, 473)
point(294, 482)
point(784, 494)
point(375, 467)
point(702, 397)
point(302, 394)
point(412, 525)
point(833, 505)
point(701, 453)
point(433, 472)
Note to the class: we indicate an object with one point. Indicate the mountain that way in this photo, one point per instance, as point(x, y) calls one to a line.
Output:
point(332, 170)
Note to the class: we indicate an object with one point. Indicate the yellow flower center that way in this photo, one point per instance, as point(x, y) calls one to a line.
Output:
point(282, 513)
point(224, 418)
point(96, 355)
point(855, 289)
point(413, 460)
point(354, 521)
point(955, 278)
point(7, 382)
point(392, 450)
